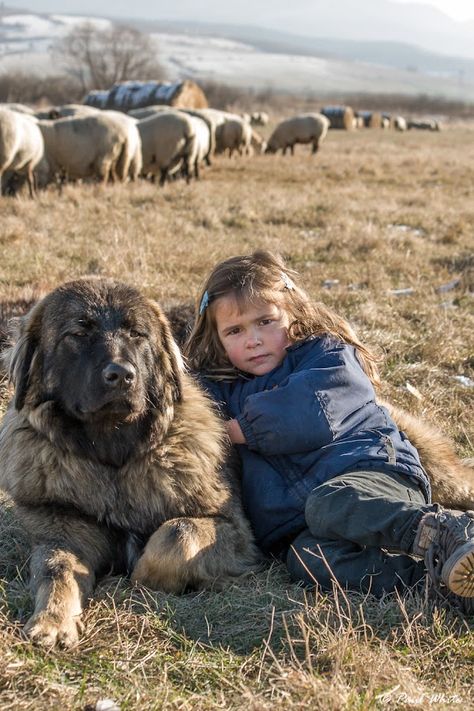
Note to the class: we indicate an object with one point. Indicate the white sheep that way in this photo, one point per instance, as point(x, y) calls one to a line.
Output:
point(399, 123)
point(168, 142)
point(234, 134)
point(211, 125)
point(130, 161)
point(21, 146)
point(305, 128)
point(219, 118)
point(83, 147)
point(202, 143)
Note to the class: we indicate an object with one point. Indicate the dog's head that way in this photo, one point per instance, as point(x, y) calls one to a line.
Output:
point(98, 350)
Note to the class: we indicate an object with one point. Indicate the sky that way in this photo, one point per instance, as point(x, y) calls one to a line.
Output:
point(457, 9)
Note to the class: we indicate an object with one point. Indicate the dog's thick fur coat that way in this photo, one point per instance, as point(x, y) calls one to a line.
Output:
point(111, 452)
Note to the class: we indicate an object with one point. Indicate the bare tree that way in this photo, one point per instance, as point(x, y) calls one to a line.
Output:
point(100, 57)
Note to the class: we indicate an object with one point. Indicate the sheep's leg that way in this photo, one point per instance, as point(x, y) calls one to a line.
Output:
point(31, 182)
point(315, 146)
point(292, 149)
point(186, 171)
point(196, 170)
point(104, 171)
point(163, 176)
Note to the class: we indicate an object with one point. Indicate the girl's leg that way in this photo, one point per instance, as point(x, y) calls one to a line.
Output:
point(388, 511)
point(368, 508)
point(364, 569)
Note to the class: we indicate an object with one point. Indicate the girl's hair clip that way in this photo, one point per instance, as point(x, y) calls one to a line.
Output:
point(287, 281)
point(204, 303)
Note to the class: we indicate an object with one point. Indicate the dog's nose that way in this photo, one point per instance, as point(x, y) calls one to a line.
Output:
point(118, 374)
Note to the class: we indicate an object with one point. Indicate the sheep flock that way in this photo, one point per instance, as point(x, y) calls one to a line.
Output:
point(79, 142)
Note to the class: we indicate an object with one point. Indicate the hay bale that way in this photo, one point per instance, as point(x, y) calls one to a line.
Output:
point(372, 119)
point(127, 95)
point(339, 117)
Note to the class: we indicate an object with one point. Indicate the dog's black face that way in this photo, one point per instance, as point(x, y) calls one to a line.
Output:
point(100, 353)
point(98, 357)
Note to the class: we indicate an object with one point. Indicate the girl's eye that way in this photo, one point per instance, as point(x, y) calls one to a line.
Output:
point(266, 321)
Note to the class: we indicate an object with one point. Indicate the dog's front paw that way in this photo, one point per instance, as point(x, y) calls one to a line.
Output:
point(47, 630)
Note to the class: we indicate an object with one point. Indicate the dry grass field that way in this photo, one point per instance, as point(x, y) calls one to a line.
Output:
point(372, 213)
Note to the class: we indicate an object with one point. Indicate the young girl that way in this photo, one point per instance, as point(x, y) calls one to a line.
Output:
point(330, 485)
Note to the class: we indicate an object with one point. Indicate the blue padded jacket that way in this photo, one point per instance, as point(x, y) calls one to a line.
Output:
point(310, 419)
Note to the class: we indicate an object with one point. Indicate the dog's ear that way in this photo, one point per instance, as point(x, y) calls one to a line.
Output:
point(21, 357)
point(173, 365)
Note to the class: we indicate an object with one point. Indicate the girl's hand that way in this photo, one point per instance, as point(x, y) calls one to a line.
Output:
point(235, 433)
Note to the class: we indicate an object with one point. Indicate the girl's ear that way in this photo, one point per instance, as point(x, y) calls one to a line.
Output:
point(21, 358)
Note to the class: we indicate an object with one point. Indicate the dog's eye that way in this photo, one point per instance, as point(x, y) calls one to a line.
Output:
point(77, 333)
point(136, 334)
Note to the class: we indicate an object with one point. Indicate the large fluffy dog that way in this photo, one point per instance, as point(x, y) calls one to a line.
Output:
point(110, 446)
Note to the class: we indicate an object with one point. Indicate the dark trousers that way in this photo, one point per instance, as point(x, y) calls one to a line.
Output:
point(361, 528)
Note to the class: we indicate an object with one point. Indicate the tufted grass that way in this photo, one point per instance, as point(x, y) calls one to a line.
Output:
point(373, 212)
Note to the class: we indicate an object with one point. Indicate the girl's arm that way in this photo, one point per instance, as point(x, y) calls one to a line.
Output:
point(310, 409)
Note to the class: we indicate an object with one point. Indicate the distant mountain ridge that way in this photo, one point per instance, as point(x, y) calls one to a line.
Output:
point(390, 54)
point(354, 20)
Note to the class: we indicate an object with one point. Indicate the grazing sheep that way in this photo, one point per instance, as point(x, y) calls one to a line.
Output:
point(426, 125)
point(211, 126)
point(168, 141)
point(203, 144)
point(218, 119)
point(84, 147)
point(130, 161)
point(233, 135)
point(305, 128)
point(399, 123)
point(21, 146)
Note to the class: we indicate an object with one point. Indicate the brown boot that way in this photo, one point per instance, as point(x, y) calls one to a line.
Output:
point(445, 539)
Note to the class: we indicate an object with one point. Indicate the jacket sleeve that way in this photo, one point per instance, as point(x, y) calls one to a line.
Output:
point(310, 409)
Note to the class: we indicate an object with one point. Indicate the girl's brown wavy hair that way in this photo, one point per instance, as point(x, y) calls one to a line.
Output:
point(263, 276)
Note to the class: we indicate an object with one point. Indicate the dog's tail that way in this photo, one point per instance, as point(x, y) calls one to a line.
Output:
point(452, 479)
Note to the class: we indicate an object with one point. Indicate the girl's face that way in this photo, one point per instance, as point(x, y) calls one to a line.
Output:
point(254, 337)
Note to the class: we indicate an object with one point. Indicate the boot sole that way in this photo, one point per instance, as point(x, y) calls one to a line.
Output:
point(458, 571)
